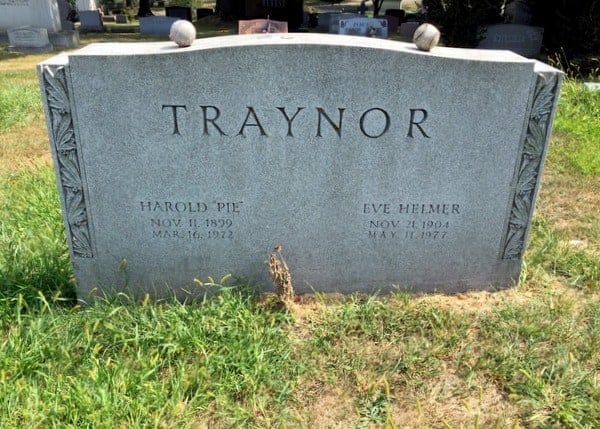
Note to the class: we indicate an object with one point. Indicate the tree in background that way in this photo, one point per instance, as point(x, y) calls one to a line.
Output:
point(571, 28)
point(571, 32)
point(461, 21)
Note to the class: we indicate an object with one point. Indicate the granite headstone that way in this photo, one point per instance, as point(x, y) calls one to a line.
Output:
point(29, 40)
point(156, 25)
point(370, 27)
point(521, 39)
point(91, 20)
point(196, 162)
point(30, 13)
point(46, 15)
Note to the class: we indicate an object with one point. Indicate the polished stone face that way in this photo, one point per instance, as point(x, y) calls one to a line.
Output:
point(373, 164)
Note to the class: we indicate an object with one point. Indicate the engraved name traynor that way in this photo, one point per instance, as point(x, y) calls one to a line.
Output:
point(373, 123)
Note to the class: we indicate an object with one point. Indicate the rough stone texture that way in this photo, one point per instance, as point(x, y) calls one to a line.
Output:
point(34, 13)
point(29, 40)
point(197, 162)
point(521, 39)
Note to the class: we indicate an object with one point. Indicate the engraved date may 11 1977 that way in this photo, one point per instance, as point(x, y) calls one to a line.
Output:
point(426, 222)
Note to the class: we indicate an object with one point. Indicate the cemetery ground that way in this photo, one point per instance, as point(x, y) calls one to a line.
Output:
point(523, 357)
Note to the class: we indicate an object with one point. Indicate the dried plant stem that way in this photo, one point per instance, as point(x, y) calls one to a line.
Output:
point(280, 274)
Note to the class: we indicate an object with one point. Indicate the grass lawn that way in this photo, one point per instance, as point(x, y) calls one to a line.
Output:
point(528, 356)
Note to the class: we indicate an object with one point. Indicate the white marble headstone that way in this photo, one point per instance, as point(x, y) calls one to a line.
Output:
point(32, 13)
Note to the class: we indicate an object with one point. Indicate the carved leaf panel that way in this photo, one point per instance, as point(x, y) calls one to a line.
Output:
point(63, 138)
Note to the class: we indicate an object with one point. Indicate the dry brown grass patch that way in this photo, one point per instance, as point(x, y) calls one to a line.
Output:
point(21, 62)
point(571, 204)
point(22, 146)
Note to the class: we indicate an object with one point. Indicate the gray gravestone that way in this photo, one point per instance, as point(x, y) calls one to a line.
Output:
point(33, 13)
point(47, 15)
point(370, 27)
point(90, 20)
point(521, 39)
point(157, 25)
point(334, 21)
point(196, 162)
point(63, 10)
point(29, 40)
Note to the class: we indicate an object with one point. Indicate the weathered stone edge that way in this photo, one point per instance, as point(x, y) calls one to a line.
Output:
point(69, 170)
point(534, 146)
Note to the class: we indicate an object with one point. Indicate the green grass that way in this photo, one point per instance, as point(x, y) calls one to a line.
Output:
point(19, 101)
point(578, 125)
point(33, 251)
point(525, 357)
point(123, 364)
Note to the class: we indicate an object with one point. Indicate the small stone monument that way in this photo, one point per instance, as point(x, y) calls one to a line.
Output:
point(36, 14)
point(29, 40)
point(369, 27)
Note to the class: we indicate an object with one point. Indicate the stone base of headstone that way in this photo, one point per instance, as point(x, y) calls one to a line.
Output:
point(65, 38)
point(29, 40)
point(156, 25)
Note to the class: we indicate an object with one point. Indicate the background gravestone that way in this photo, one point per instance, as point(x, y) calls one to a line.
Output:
point(29, 40)
point(156, 25)
point(426, 180)
point(43, 14)
point(370, 27)
point(91, 20)
point(521, 39)
point(34, 13)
